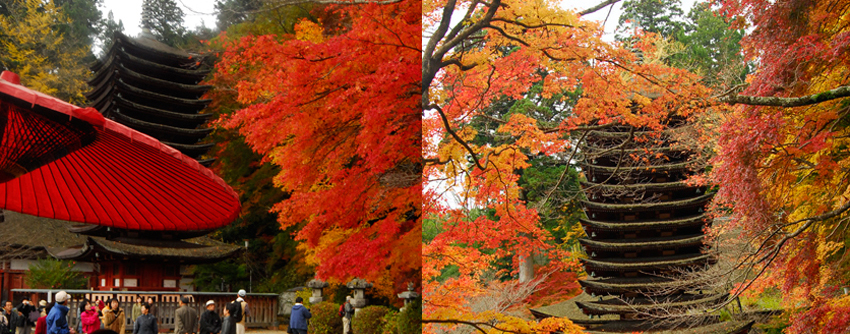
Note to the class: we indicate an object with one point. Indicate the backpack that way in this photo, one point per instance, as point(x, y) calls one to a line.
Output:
point(235, 309)
point(342, 310)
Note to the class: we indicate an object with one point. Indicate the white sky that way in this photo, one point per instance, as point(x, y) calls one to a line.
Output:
point(202, 11)
point(614, 17)
point(130, 13)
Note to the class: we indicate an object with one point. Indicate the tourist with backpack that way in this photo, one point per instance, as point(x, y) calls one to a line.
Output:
point(243, 311)
point(346, 311)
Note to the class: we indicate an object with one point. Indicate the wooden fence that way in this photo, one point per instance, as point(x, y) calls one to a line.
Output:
point(263, 307)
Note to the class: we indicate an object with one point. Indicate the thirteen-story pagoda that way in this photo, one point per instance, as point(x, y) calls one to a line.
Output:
point(153, 88)
point(645, 228)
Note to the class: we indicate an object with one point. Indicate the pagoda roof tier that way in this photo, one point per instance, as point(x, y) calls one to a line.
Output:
point(704, 325)
point(633, 207)
point(606, 133)
point(649, 187)
point(119, 71)
point(627, 152)
point(646, 243)
point(155, 51)
point(196, 250)
point(177, 74)
point(191, 119)
point(645, 264)
point(648, 305)
point(160, 131)
point(191, 150)
point(114, 232)
point(151, 99)
point(206, 162)
point(641, 169)
point(643, 224)
point(621, 285)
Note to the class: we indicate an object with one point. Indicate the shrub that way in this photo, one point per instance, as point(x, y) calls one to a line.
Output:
point(50, 273)
point(325, 319)
point(370, 320)
point(390, 323)
point(410, 318)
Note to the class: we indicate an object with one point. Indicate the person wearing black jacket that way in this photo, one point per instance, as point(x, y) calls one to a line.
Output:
point(27, 322)
point(210, 321)
point(14, 319)
point(145, 323)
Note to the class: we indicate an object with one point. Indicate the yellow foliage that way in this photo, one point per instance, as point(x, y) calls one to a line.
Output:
point(310, 31)
point(33, 48)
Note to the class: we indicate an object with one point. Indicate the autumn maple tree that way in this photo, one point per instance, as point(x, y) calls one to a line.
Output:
point(336, 107)
point(476, 55)
point(782, 160)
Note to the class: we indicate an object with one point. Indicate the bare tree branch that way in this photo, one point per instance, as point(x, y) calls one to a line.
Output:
point(597, 7)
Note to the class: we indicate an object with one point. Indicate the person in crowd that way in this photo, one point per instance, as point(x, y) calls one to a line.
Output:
point(244, 312)
point(151, 307)
point(89, 319)
point(41, 323)
point(185, 318)
point(84, 305)
point(347, 314)
point(57, 321)
point(100, 306)
point(210, 321)
point(114, 317)
point(137, 308)
point(29, 315)
point(4, 322)
point(298, 317)
point(228, 323)
point(42, 304)
point(13, 318)
point(145, 323)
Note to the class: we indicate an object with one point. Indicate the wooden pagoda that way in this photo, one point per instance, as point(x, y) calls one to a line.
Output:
point(153, 88)
point(644, 229)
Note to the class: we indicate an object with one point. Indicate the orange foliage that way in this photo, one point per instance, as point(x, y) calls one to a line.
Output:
point(337, 109)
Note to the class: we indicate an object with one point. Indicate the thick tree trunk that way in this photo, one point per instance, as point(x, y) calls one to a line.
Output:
point(526, 269)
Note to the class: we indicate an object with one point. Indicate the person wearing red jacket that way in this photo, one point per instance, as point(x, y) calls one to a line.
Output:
point(90, 320)
point(41, 323)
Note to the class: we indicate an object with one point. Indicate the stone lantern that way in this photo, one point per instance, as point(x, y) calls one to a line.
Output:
point(408, 295)
point(358, 287)
point(317, 286)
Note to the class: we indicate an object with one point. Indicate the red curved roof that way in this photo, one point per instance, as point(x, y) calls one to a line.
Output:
point(123, 179)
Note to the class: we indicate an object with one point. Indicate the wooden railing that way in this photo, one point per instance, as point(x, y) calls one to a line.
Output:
point(262, 306)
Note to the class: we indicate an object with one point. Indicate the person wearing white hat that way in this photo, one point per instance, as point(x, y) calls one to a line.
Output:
point(240, 324)
point(56, 321)
point(210, 321)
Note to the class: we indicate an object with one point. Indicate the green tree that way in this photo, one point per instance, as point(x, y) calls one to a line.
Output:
point(107, 33)
point(712, 48)
point(50, 273)
point(232, 12)
point(85, 22)
point(165, 21)
point(657, 16)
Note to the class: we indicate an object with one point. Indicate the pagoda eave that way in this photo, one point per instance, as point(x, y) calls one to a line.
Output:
point(636, 207)
point(589, 224)
point(646, 264)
